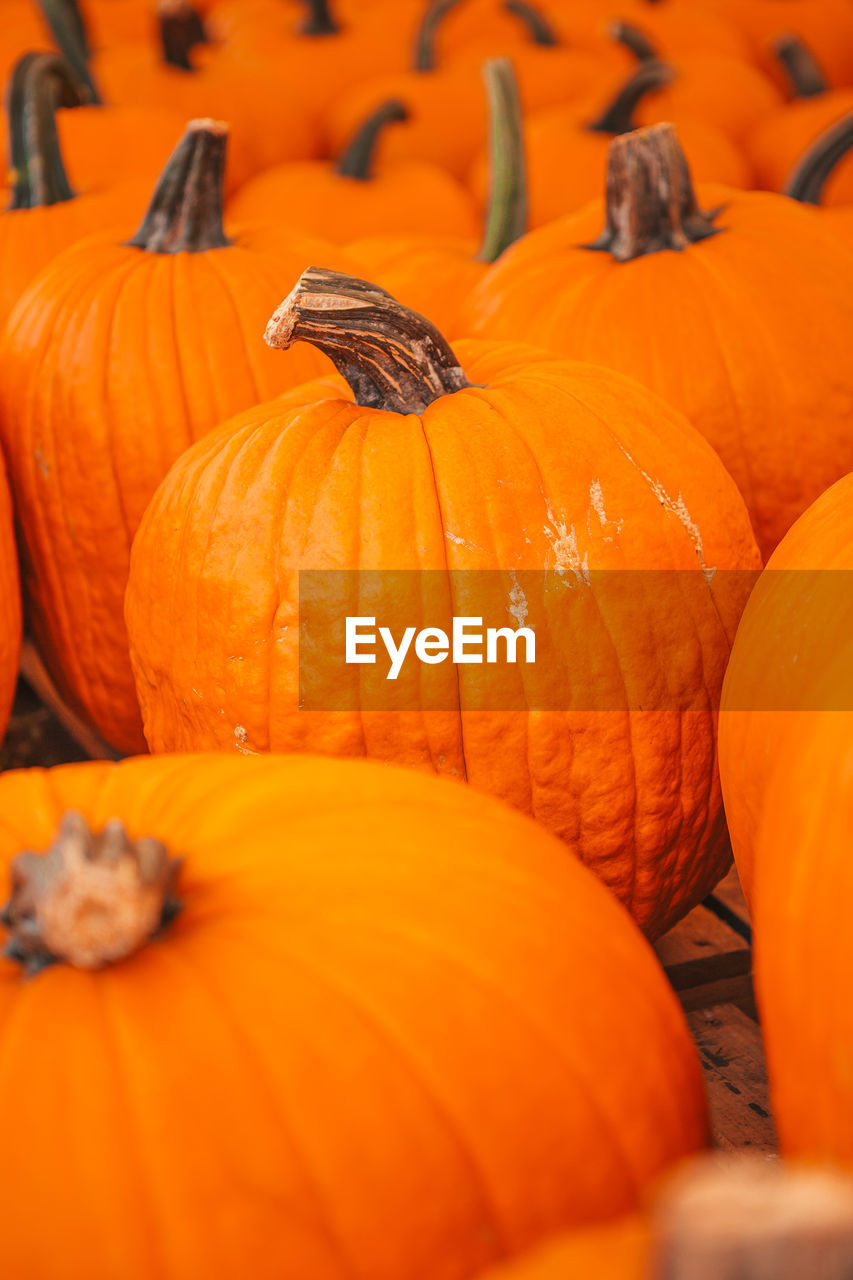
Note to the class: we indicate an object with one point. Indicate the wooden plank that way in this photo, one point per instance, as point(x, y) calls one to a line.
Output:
point(732, 1057)
point(702, 948)
point(736, 990)
point(730, 893)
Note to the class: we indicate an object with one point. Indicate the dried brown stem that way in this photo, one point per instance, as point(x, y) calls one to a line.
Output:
point(539, 28)
point(633, 39)
point(185, 213)
point(618, 116)
point(801, 67)
point(807, 181)
point(38, 85)
point(356, 159)
point(392, 358)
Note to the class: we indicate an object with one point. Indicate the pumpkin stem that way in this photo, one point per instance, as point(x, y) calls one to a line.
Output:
point(185, 213)
point(618, 116)
point(320, 21)
point(539, 28)
point(68, 30)
point(434, 14)
point(392, 358)
point(805, 77)
point(181, 29)
point(811, 174)
point(506, 216)
point(634, 40)
point(38, 85)
point(728, 1218)
point(356, 159)
point(650, 204)
point(90, 900)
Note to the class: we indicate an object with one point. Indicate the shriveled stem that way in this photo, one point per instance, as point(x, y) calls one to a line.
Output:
point(356, 159)
point(808, 179)
point(801, 67)
point(181, 29)
point(320, 20)
point(91, 900)
point(392, 358)
point(650, 202)
point(38, 85)
point(540, 29)
point(424, 53)
point(633, 39)
point(66, 25)
point(506, 215)
point(186, 210)
point(618, 116)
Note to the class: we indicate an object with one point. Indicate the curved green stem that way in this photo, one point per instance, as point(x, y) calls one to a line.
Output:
point(65, 21)
point(808, 179)
point(356, 159)
point(618, 116)
point(801, 67)
point(185, 213)
point(38, 85)
point(506, 216)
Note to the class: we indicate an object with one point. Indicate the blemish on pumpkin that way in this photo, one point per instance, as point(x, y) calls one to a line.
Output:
point(678, 508)
point(564, 544)
point(41, 462)
point(517, 607)
point(608, 527)
point(241, 740)
point(460, 542)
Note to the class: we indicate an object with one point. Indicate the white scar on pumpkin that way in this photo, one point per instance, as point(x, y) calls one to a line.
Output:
point(564, 544)
point(517, 606)
point(610, 527)
point(677, 507)
point(460, 542)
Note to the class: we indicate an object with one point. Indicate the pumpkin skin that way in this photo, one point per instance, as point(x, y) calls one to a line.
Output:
point(114, 360)
point(673, 29)
point(827, 29)
point(816, 168)
point(10, 605)
point(797, 622)
point(802, 936)
point(776, 143)
point(619, 1251)
point(235, 687)
point(719, 320)
point(432, 997)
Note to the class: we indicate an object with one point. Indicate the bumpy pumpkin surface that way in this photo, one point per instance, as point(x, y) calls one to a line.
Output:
point(10, 605)
point(697, 306)
point(519, 463)
point(125, 350)
point(798, 621)
point(385, 1034)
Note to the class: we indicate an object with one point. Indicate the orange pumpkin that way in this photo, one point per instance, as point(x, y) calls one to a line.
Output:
point(534, 473)
point(567, 147)
point(432, 998)
point(349, 198)
point(10, 605)
point(826, 27)
point(708, 326)
point(433, 275)
point(45, 213)
point(798, 621)
point(776, 143)
point(802, 936)
point(809, 178)
point(120, 354)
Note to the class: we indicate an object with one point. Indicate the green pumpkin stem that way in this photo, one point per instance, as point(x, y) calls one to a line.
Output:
point(633, 39)
point(65, 21)
point(38, 85)
point(506, 215)
point(181, 29)
point(356, 159)
point(814, 169)
point(618, 116)
point(320, 20)
point(90, 900)
point(392, 358)
point(186, 210)
point(425, 37)
point(803, 72)
point(650, 201)
point(540, 29)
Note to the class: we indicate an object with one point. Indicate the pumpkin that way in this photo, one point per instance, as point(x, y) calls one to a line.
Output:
point(815, 169)
point(431, 997)
point(673, 28)
point(567, 147)
point(776, 143)
point(120, 354)
point(533, 473)
point(348, 199)
point(802, 935)
point(10, 605)
point(433, 275)
point(798, 620)
point(709, 326)
point(45, 212)
point(826, 27)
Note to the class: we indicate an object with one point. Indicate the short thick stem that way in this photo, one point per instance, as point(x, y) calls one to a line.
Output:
point(38, 85)
point(392, 358)
point(808, 179)
point(618, 116)
point(90, 900)
point(748, 1218)
point(181, 29)
point(65, 21)
point(506, 215)
point(186, 210)
point(424, 52)
point(320, 20)
point(539, 28)
point(650, 202)
point(356, 159)
point(633, 39)
point(801, 67)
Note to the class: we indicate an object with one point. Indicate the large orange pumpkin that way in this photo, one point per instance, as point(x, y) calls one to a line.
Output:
point(802, 883)
point(798, 621)
point(696, 305)
point(523, 474)
point(382, 1029)
point(123, 351)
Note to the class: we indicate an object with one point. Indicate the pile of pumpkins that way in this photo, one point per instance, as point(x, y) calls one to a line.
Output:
point(541, 290)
